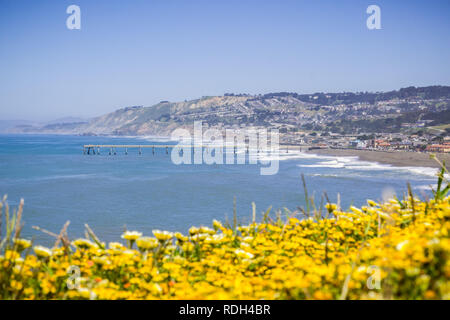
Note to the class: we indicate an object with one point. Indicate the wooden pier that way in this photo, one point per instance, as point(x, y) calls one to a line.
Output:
point(95, 148)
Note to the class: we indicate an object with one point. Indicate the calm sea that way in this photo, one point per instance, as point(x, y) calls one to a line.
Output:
point(145, 192)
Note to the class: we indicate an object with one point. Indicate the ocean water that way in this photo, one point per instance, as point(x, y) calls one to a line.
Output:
point(146, 192)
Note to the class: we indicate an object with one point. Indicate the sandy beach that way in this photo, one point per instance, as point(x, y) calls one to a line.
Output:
point(395, 158)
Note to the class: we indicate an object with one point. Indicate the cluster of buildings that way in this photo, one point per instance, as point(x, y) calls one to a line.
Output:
point(442, 147)
point(382, 142)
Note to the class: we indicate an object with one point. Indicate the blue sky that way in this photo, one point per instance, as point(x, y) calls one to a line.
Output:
point(141, 52)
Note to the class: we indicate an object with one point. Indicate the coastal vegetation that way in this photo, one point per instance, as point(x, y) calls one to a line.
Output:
point(398, 249)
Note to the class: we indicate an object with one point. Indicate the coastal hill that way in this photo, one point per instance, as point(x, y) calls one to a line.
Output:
point(345, 112)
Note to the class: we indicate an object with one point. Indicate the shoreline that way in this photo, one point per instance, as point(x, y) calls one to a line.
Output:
point(394, 158)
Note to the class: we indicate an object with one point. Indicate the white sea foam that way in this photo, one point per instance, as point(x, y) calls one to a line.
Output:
point(325, 175)
point(52, 177)
point(69, 176)
point(149, 138)
point(353, 163)
point(426, 187)
point(158, 139)
point(282, 155)
point(333, 162)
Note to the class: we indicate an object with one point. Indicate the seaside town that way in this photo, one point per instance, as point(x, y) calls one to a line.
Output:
point(399, 123)
point(381, 142)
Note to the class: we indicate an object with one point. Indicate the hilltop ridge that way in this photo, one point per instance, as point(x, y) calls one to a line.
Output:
point(345, 112)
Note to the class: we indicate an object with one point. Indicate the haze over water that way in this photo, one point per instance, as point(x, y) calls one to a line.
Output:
point(149, 192)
